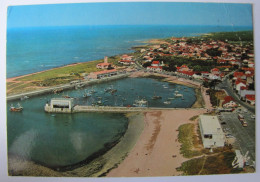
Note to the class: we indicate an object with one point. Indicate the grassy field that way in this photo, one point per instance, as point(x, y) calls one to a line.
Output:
point(212, 164)
point(54, 76)
point(72, 72)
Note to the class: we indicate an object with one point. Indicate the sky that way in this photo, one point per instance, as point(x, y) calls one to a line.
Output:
point(145, 13)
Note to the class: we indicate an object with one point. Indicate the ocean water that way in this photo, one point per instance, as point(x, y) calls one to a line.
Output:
point(35, 49)
point(58, 140)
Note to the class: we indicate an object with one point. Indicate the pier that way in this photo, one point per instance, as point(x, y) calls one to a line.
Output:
point(66, 87)
point(112, 109)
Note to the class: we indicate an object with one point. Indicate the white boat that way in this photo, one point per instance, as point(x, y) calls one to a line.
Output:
point(92, 91)
point(178, 95)
point(167, 102)
point(87, 94)
point(24, 97)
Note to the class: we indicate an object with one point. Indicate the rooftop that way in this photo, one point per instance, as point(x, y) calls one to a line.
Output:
point(210, 124)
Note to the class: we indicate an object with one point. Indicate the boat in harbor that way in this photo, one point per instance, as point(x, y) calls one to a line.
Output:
point(18, 108)
point(112, 91)
point(92, 91)
point(165, 86)
point(66, 96)
point(87, 94)
point(24, 97)
point(140, 103)
point(178, 95)
point(167, 102)
point(108, 89)
point(155, 97)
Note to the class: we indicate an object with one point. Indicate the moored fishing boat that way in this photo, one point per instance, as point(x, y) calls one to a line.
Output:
point(16, 109)
point(156, 96)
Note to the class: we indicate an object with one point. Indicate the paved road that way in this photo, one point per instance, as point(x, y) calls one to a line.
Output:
point(227, 87)
point(245, 136)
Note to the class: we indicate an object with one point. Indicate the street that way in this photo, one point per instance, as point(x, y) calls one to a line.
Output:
point(245, 136)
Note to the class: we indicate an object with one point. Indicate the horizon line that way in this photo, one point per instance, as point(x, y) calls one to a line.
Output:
point(251, 26)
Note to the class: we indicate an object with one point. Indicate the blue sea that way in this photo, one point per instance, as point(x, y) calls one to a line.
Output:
point(35, 49)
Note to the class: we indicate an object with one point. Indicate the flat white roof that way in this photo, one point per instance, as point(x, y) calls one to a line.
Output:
point(210, 124)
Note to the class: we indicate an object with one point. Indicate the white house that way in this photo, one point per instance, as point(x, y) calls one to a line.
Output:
point(239, 85)
point(211, 132)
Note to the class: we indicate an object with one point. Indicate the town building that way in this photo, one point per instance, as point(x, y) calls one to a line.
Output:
point(215, 71)
point(102, 74)
point(155, 66)
point(60, 105)
point(229, 102)
point(126, 62)
point(242, 93)
point(211, 131)
point(104, 65)
point(250, 99)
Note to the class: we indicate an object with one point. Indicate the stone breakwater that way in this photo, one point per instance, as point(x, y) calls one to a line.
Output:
point(65, 87)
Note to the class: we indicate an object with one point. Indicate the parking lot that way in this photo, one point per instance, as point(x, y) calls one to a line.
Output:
point(245, 136)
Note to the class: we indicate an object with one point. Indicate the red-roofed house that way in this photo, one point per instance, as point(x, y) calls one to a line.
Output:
point(184, 68)
point(126, 57)
point(104, 65)
point(215, 71)
point(155, 63)
point(189, 73)
point(126, 62)
point(154, 68)
point(229, 102)
point(102, 74)
point(250, 99)
point(248, 69)
point(239, 84)
point(238, 74)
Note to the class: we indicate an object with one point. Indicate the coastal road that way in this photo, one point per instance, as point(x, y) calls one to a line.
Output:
point(245, 136)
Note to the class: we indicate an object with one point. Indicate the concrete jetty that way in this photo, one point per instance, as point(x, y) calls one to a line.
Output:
point(112, 109)
point(66, 87)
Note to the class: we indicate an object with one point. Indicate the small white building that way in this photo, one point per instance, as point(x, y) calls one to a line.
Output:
point(211, 132)
point(63, 105)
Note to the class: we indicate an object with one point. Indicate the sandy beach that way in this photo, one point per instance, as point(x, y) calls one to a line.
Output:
point(156, 152)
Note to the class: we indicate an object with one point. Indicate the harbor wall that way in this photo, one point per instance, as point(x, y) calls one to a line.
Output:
point(65, 87)
point(80, 109)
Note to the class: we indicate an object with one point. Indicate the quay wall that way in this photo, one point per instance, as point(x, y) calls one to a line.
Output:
point(65, 87)
point(80, 109)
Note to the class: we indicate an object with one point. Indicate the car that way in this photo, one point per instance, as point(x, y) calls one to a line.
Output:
point(245, 110)
point(253, 116)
